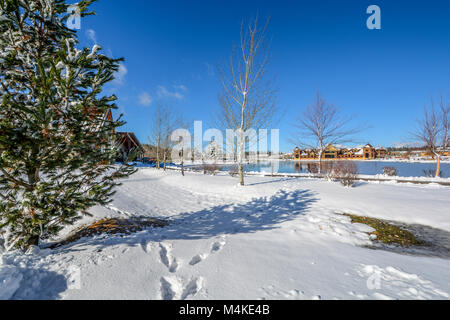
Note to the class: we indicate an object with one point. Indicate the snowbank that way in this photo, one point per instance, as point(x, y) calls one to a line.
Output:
point(10, 278)
point(275, 238)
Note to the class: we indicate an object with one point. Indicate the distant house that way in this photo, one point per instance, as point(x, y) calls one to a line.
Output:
point(126, 143)
point(366, 152)
point(381, 152)
point(369, 152)
point(330, 152)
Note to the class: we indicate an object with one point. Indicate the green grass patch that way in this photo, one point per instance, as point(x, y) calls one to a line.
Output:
point(112, 226)
point(388, 233)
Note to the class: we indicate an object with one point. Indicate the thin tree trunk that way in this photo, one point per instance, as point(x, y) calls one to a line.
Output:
point(182, 162)
point(438, 167)
point(320, 162)
point(157, 156)
point(165, 159)
point(241, 174)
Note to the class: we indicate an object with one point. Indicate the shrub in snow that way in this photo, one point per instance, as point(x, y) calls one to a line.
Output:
point(346, 172)
point(233, 171)
point(211, 168)
point(430, 173)
point(312, 168)
point(327, 168)
point(390, 171)
point(56, 144)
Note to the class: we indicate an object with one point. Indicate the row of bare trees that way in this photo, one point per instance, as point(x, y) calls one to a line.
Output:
point(247, 104)
point(247, 101)
point(322, 124)
point(164, 121)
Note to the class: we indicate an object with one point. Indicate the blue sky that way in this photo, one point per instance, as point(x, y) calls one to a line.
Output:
point(172, 48)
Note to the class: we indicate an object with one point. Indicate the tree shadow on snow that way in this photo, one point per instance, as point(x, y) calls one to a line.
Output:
point(257, 215)
point(271, 181)
point(39, 284)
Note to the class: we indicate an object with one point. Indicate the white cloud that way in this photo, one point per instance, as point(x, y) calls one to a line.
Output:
point(90, 33)
point(145, 99)
point(180, 88)
point(120, 74)
point(162, 92)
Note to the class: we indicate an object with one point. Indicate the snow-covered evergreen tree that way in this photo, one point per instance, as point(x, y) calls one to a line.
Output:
point(56, 143)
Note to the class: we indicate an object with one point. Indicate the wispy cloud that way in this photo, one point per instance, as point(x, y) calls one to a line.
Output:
point(120, 74)
point(162, 92)
point(180, 88)
point(209, 69)
point(90, 33)
point(145, 99)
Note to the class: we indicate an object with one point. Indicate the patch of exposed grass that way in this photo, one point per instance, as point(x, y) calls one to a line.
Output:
point(112, 226)
point(388, 233)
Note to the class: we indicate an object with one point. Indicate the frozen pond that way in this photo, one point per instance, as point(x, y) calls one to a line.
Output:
point(404, 169)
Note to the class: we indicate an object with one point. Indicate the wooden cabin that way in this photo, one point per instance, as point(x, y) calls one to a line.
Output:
point(381, 153)
point(297, 153)
point(367, 152)
point(330, 152)
point(127, 142)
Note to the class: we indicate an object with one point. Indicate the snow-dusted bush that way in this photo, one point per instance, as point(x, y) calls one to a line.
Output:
point(312, 168)
point(233, 171)
point(346, 172)
point(211, 168)
point(327, 168)
point(430, 173)
point(390, 171)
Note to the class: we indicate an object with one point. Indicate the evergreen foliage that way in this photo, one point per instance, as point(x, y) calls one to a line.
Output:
point(57, 147)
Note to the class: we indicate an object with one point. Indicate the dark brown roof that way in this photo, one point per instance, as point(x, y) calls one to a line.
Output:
point(128, 136)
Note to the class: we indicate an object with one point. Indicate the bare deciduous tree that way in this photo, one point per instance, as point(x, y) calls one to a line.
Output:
point(164, 122)
point(445, 119)
point(429, 130)
point(170, 122)
point(155, 138)
point(247, 98)
point(322, 124)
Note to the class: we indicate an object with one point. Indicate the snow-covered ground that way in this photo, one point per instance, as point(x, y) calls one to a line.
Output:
point(275, 238)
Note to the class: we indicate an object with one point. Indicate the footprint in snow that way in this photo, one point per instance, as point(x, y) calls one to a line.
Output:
point(215, 247)
point(146, 246)
point(198, 258)
point(172, 288)
point(218, 245)
point(166, 257)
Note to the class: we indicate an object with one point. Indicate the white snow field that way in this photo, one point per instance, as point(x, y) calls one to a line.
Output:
point(275, 238)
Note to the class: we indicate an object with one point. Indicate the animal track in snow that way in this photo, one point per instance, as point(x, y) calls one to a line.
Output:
point(172, 288)
point(166, 257)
